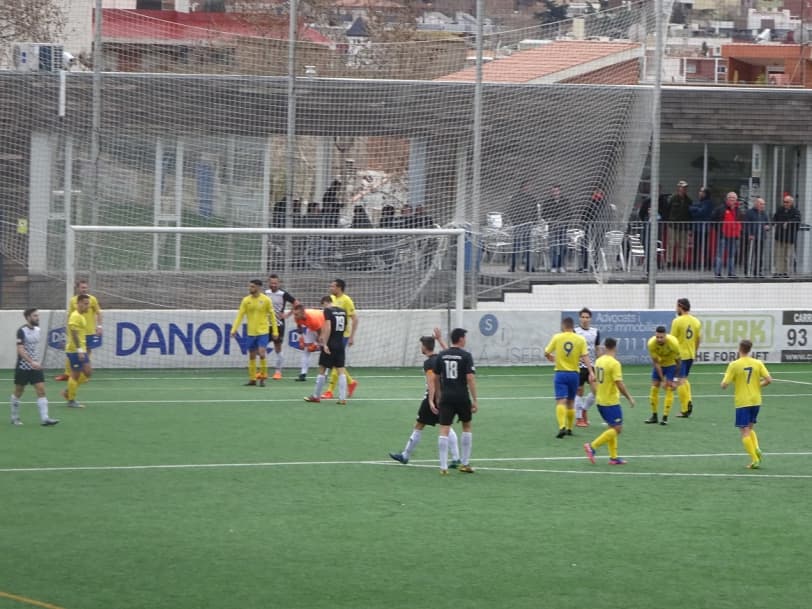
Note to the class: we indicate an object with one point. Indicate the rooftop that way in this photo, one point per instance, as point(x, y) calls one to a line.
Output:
point(552, 62)
point(152, 26)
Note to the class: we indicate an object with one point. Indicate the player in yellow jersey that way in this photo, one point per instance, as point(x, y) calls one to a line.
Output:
point(76, 350)
point(260, 318)
point(664, 351)
point(566, 350)
point(340, 299)
point(610, 385)
point(93, 327)
point(748, 376)
point(686, 329)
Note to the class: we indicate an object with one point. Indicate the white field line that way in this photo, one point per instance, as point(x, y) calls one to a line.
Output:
point(545, 372)
point(421, 463)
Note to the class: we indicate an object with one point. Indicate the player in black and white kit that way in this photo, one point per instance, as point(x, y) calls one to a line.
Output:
point(425, 416)
point(593, 341)
point(279, 298)
point(28, 370)
point(333, 352)
point(457, 385)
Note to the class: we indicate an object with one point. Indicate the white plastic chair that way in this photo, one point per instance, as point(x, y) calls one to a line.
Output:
point(612, 250)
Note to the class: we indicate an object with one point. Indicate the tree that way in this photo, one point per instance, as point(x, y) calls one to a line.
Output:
point(31, 21)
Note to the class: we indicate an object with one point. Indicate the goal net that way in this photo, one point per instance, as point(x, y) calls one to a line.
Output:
point(170, 295)
point(196, 120)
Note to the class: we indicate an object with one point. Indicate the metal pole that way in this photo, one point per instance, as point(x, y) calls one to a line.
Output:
point(70, 254)
point(459, 281)
point(95, 134)
point(67, 202)
point(477, 155)
point(290, 152)
point(655, 154)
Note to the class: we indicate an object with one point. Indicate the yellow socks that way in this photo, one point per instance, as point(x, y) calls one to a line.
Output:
point(561, 415)
point(750, 447)
point(73, 385)
point(331, 386)
point(684, 393)
point(604, 438)
point(755, 442)
point(263, 367)
point(669, 401)
point(654, 399)
point(613, 445)
point(570, 418)
point(252, 369)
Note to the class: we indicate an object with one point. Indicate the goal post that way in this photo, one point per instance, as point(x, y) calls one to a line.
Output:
point(171, 293)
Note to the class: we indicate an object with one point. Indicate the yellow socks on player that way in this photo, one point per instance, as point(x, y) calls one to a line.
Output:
point(331, 386)
point(82, 379)
point(252, 368)
point(654, 399)
point(570, 418)
point(750, 447)
point(684, 393)
point(668, 402)
point(613, 445)
point(607, 437)
point(73, 386)
point(263, 367)
point(561, 415)
point(755, 440)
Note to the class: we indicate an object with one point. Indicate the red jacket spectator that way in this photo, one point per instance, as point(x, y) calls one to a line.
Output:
point(731, 223)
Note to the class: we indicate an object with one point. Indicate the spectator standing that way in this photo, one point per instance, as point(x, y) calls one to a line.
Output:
point(644, 214)
point(596, 222)
point(701, 213)
point(730, 231)
point(312, 218)
point(679, 225)
point(331, 205)
point(360, 218)
point(756, 230)
point(522, 215)
point(552, 210)
point(787, 221)
point(406, 219)
point(421, 217)
point(387, 217)
point(388, 221)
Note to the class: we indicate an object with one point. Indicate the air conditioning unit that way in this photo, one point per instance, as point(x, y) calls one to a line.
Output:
point(38, 56)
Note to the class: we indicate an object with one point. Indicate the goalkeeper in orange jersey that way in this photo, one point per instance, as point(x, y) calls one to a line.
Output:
point(309, 322)
point(260, 318)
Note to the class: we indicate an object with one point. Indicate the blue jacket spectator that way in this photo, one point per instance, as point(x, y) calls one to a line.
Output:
point(701, 213)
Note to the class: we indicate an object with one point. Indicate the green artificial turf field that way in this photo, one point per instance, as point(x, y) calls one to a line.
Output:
point(182, 489)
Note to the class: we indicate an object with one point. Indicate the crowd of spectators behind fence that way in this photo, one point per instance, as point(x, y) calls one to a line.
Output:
point(692, 235)
point(727, 237)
